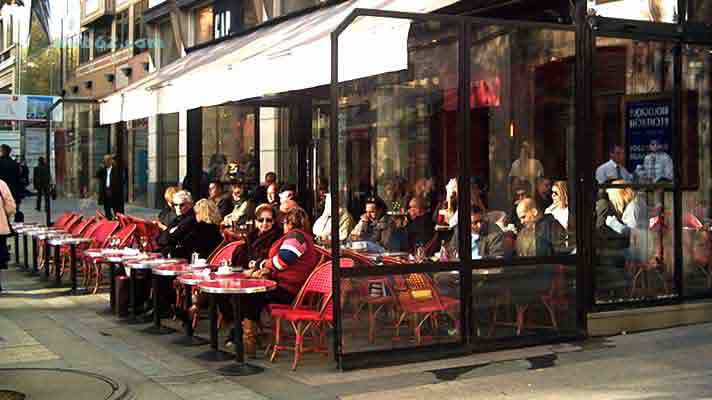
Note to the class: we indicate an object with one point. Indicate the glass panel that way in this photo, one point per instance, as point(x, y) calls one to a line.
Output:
point(102, 39)
point(139, 161)
point(203, 24)
point(536, 300)
point(642, 10)
point(169, 51)
point(522, 113)
point(140, 31)
point(696, 161)
point(398, 311)
point(322, 153)
point(398, 160)
point(633, 131)
point(229, 138)
point(168, 156)
point(700, 11)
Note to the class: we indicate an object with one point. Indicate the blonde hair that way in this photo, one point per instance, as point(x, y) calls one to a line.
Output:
point(170, 191)
point(207, 211)
point(264, 207)
point(620, 197)
point(563, 193)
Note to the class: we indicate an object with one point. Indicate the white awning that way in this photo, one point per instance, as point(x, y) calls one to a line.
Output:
point(292, 55)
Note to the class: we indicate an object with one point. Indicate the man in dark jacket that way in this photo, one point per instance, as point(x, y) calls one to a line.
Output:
point(41, 180)
point(541, 235)
point(111, 186)
point(173, 240)
point(420, 228)
point(222, 200)
point(488, 239)
point(10, 174)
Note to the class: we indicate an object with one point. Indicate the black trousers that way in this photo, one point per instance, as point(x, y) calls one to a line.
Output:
point(41, 193)
point(112, 206)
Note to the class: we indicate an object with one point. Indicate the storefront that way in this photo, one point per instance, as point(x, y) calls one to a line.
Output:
point(474, 114)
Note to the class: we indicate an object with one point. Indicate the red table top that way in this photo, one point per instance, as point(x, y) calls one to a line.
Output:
point(194, 278)
point(237, 286)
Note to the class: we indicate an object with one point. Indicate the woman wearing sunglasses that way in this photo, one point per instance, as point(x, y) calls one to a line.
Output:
point(259, 240)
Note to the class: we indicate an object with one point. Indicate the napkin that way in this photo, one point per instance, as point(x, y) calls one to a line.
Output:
point(224, 270)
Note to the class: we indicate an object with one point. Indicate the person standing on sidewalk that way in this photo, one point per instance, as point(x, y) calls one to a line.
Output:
point(111, 186)
point(41, 179)
point(10, 174)
point(8, 210)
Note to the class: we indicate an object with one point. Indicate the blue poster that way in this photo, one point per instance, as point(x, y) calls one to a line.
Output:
point(645, 121)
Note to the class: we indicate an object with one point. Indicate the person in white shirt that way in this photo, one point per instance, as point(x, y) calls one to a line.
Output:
point(111, 186)
point(559, 209)
point(657, 166)
point(526, 167)
point(613, 169)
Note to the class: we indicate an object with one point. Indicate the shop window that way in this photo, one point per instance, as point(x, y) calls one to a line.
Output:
point(633, 165)
point(102, 39)
point(203, 24)
point(84, 47)
point(229, 143)
point(278, 8)
point(168, 48)
point(122, 30)
point(140, 39)
point(138, 161)
point(168, 150)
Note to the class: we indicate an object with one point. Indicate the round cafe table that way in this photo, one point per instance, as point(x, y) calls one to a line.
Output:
point(164, 271)
point(194, 279)
point(72, 243)
point(187, 275)
point(132, 268)
point(237, 288)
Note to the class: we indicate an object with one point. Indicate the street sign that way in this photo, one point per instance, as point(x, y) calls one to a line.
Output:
point(28, 108)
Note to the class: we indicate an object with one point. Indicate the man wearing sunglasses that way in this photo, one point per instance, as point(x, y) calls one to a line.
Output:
point(172, 240)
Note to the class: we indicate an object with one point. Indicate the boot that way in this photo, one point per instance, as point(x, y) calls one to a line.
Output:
point(249, 338)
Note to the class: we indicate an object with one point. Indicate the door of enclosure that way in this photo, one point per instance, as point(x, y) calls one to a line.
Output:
point(649, 136)
point(459, 128)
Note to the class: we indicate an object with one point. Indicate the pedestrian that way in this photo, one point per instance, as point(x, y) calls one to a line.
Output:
point(41, 179)
point(10, 174)
point(8, 210)
point(111, 186)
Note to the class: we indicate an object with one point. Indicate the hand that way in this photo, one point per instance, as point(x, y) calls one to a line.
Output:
point(250, 272)
point(262, 273)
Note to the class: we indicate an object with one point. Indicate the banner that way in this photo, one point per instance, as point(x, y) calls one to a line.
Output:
point(645, 120)
point(28, 108)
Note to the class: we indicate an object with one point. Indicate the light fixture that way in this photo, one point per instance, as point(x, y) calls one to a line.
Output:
point(511, 129)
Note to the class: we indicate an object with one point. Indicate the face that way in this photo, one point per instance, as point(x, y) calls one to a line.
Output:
point(476, 223)
point(287, 227)
point(618, 155)
point(372, 211)
point(544, 187)
point(181, 207)
point(655, 146)
point(271, 193)
point(107, 162)
point(556, 195)
point(414, 211)
point(214, 190)
point(519, 194)
point(236, 192)
point(264, 221)
point(527, 217)
point(270, 178)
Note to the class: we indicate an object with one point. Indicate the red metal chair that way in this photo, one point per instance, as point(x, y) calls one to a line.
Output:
point(99, 236)
point(306, 314)
point(422, 301)
point(76, 231)
point(62, 221)
point(65, 222)
point(125, 238)
point(224, 252)
point(99, 215)
point(147, 234)
point(123, 219)
point(557, 299)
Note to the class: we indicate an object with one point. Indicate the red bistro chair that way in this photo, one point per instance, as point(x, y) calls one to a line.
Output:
point(75, 231)
point(306, 314)
point(125, 237)
point(99, 237)
point(224, 252)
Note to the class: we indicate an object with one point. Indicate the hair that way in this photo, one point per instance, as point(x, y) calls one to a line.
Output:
point(169, 192)
point(264, 207)
point(419, 202)
point(620, 197)
point(183, 195)
point(298, 218)
point(206, 211)
point(527, 204)
point(612, 147)
point(5, 149)
point(271, 173)
point(563, 193)
point(107, 157)
point(217, 183)
point(520, 184)
point(476, 210)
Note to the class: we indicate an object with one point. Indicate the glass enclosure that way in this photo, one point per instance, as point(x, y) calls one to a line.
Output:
point(405, 152)
point(229, 140)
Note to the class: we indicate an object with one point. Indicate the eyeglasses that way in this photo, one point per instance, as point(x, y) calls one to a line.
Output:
point(262, 220)
point(554, 193)
point(179, 204)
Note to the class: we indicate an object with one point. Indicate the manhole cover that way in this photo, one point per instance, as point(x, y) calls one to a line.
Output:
point(11, 395)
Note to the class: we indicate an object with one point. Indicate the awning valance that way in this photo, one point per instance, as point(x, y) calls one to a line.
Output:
point(292, 55)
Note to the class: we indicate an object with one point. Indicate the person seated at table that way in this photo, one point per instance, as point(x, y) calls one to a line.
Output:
point(273, 195)
point(630, 218)
point(394, 194)
point(284, 208)
point(488, 239)
point(446, 211)
point(542, 197)
point(322, 226)
point(205, 236)
point(289, 262)
point(373, 226)
point(243, 208)
point(173, 238)
point(258, 241)
point(221, 199)
point(541, 234)
point(559, 207)
point(521, 189)
point(419, 228)
point(168, 213)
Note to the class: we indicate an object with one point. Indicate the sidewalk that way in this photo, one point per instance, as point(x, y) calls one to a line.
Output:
point(85, 354)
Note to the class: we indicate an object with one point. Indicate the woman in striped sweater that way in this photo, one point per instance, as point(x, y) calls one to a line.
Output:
point(290, 261)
